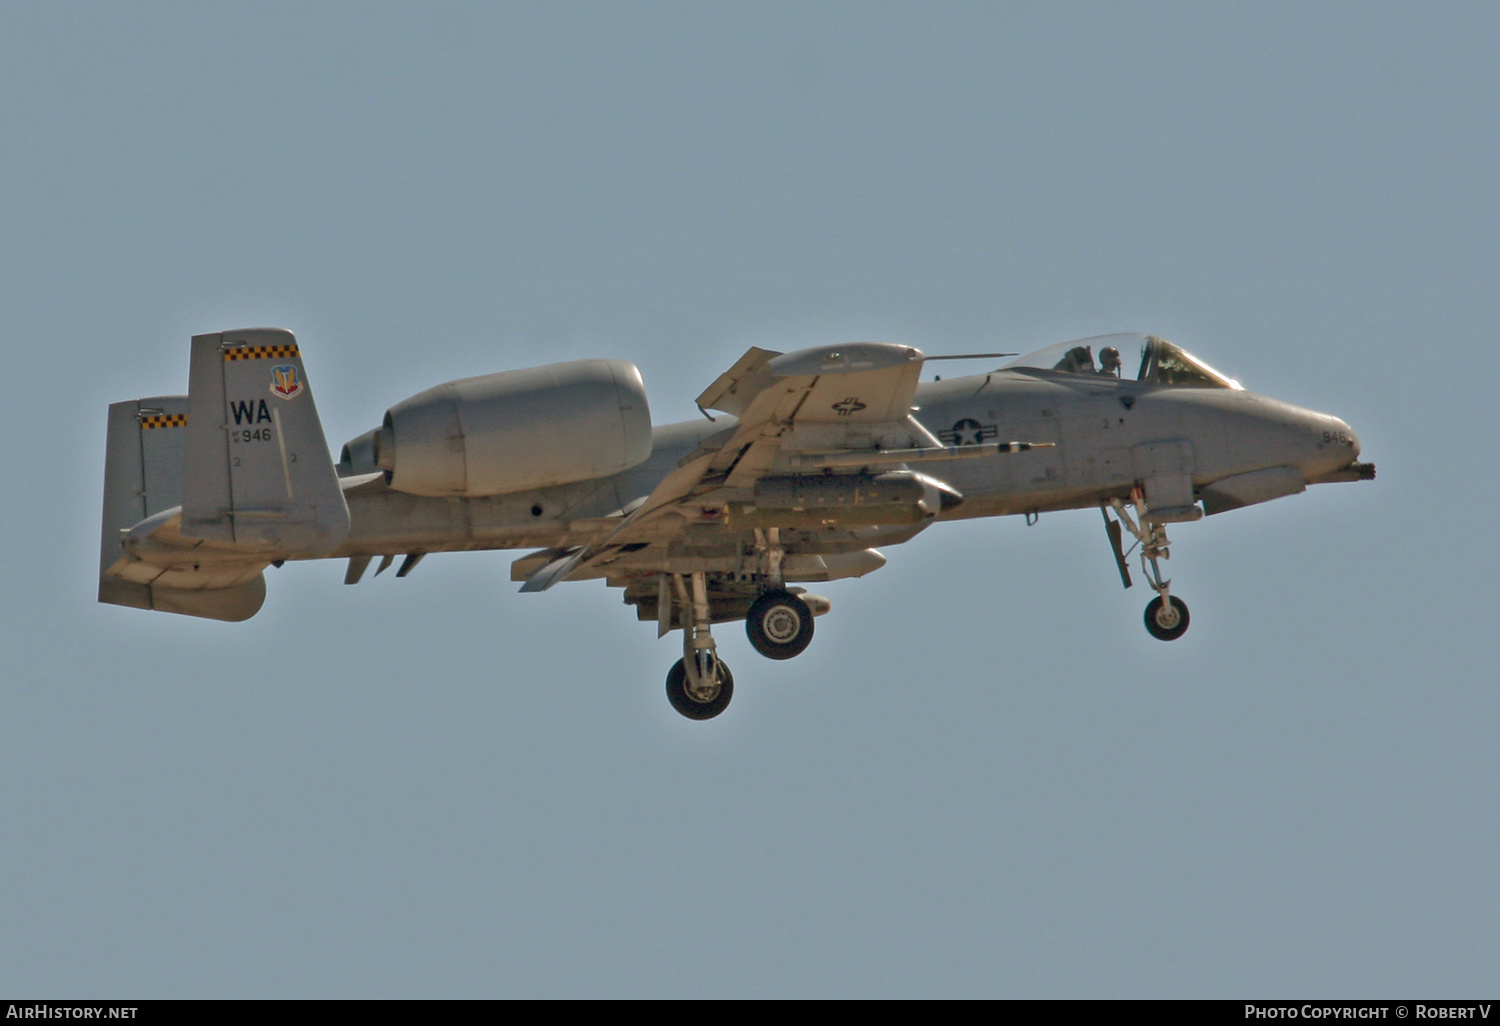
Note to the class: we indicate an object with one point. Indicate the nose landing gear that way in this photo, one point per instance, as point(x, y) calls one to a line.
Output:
point(1167, 620)
point(1166, 615)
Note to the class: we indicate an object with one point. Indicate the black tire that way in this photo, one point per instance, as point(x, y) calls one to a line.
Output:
point(780, 625)
point(684, 702)
point(1167, 624)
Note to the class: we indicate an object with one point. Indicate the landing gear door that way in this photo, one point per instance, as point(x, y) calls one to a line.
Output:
point(1165, 471)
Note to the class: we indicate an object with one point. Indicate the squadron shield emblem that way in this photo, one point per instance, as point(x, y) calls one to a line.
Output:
point(284, 381)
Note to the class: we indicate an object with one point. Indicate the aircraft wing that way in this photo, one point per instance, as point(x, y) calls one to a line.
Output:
point(839, 397)
point(835, 399)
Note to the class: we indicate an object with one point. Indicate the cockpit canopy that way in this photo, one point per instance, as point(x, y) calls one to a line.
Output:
point(1161, 362)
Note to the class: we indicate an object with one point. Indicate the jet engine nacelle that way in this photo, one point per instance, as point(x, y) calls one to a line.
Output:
point(517, 430)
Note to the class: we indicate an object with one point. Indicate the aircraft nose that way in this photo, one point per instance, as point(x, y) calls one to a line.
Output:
point(1341, 431)
point(1334, 445)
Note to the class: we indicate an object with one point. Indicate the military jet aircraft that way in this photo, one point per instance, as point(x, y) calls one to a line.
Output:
point(815, 458)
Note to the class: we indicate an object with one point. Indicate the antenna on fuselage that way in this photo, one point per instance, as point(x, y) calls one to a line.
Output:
point(971, 356)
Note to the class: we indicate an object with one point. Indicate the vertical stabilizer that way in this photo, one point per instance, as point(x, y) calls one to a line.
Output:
point(142, 476)
point(257, 470)
point(143, 468)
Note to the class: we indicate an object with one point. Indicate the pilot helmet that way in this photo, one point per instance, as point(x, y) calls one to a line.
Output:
point(1109, 356)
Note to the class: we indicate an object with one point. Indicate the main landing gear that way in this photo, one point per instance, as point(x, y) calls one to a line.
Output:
point(779, 623)
point(699, 685)
point(1166, 615)
point(707, 699)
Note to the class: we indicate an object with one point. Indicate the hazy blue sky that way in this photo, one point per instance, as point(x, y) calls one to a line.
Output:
point(984, 778)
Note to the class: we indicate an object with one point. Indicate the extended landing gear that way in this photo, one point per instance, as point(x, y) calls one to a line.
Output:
point(699, 685)
point(1167, 620)
point(778, 620)
point(780, 625)
point(1166, 615)
point(705, 700)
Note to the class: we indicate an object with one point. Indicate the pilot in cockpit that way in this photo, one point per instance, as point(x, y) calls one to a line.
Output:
point(1109, 362)
point(1080, 360)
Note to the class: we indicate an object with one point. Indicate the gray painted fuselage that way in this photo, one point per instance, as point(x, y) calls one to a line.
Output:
point(1098, 425)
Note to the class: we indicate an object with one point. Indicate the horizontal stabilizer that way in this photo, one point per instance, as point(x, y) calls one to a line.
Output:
point(231, 604)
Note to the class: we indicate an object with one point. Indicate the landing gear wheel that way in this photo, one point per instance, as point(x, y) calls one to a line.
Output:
point(692, 706)
point(780, 625)
point(1167, 622)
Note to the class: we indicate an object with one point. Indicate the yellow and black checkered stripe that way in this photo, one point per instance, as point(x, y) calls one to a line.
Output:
point(164, 420)
point(262, 353)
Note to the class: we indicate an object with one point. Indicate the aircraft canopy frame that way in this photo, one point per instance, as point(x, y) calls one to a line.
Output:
point(1161, 362)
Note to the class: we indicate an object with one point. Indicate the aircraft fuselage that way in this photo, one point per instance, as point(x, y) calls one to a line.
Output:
point(1098, 427)
point(818, 456)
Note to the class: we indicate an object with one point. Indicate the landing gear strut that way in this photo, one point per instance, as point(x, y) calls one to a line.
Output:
point(780, 624)
point(1166, 615)
point(699, 685)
